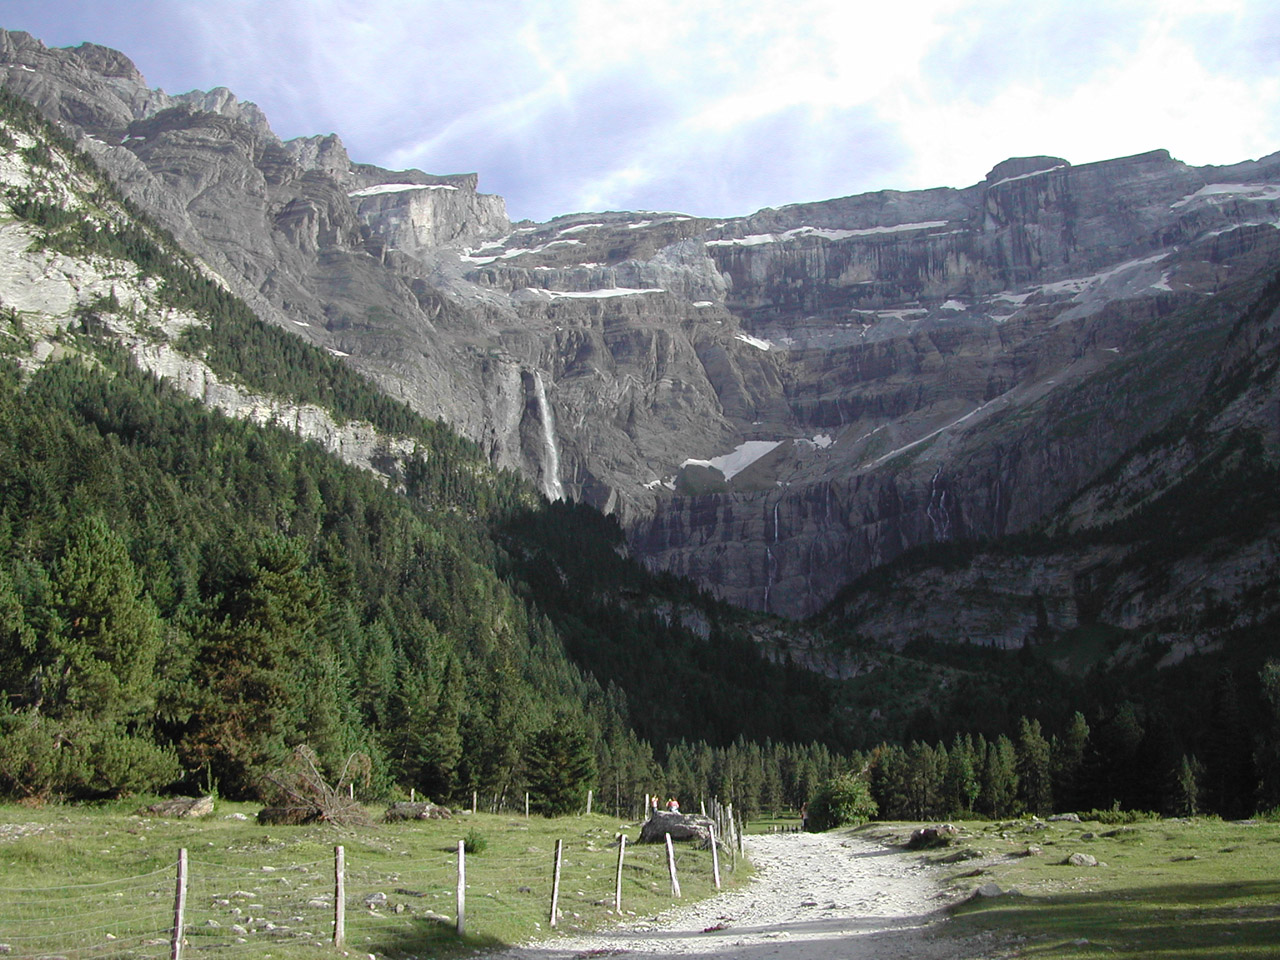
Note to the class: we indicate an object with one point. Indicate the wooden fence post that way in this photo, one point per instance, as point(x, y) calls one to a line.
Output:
point(526, 804)
point(617, 887)
point(339, 897)
point(715, 857)
point(473, 800)
point(179, 907)
point(555, 884)
point(671, 867)
point(588, 803)
point(462, 887)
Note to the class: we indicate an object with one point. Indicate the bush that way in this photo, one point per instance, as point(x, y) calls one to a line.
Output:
point(841, 801)
point(1115, 816)
point(43, 759)
point(475, 841)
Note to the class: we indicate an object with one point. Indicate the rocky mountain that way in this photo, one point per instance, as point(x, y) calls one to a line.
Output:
point(772, 405)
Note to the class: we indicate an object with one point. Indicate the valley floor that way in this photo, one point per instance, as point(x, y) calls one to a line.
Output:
point(814, 897)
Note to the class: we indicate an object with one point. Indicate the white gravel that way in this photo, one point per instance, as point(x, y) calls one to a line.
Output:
point(813, 897)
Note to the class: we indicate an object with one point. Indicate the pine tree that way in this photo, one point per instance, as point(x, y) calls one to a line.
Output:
point(110, 636)
point(998, 793)
point(561, 767)
point(1035, 790)
point(1067, 758)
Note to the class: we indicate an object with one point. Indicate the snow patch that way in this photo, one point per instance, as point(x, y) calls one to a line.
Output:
point(703, 303)
point(753, 341)
point(595, 294)
point(1079, 285)
point(469, 254)
point(756, 239)
point(743, 456)
point(381, 188)
point(337, 353)
point(820, 442)
point(1234, 191)
point(953, 305)
point(1028, 176)
point(580, 227)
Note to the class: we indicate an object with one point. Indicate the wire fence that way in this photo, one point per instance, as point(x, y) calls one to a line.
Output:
point(196, 907)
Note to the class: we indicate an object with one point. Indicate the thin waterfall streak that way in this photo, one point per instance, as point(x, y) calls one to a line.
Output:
point(551, 469)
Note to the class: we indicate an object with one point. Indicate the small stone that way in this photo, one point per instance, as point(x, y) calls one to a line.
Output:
point(238, 929)
point(1082, 860)
point(378, 899)
point(1033, 850)
point(212, 923)
point(989, 890)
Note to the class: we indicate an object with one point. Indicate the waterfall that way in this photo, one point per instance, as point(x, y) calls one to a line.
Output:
point(937, 511)
point(772, 566)
point(551, 485)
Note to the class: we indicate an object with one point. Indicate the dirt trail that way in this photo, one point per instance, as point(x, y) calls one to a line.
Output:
point(814, 897)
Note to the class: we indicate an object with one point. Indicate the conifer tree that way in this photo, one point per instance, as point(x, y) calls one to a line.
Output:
point(105, 650)
point(1067, 757)
point(998, 793)
point(1035, 789)
point(561, 767)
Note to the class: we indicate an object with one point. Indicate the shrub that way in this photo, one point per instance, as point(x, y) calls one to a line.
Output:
point(475, 841)
point(841, 801)
point(1116, 816)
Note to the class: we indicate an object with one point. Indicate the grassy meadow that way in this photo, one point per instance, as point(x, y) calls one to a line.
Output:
point(99, 881)
point(1191, 889)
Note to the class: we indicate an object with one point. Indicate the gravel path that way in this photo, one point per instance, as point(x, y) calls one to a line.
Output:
point(813, 897)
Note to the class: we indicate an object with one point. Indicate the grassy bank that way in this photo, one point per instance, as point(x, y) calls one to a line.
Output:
point(99, 882)
point(1197, 888)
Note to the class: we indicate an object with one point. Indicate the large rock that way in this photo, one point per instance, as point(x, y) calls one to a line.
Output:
point(416, 811)
point(183, 808)
point(681, 826)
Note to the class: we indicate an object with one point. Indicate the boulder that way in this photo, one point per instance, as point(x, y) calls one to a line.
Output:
point(1082, 860)
point(681, 826)
point(938, 835)
point(416, 811)
point(185, 808)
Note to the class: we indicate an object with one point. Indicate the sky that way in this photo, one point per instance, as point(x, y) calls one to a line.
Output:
point(713, 107)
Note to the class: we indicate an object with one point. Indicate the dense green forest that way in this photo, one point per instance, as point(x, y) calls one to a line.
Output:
point(185, 598)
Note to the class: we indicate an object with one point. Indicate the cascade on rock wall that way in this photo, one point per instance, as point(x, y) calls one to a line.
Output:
point(551, 484)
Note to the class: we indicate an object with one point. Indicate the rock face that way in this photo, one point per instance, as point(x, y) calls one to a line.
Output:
point(773, 405)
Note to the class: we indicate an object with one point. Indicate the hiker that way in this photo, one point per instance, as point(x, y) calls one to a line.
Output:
point(673, 805)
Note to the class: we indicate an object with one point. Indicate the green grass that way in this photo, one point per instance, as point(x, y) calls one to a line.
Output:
point(1197, 888)
point(99, 881)
point(782, 823)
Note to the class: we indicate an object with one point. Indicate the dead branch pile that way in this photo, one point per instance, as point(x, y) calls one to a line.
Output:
point(302, 795)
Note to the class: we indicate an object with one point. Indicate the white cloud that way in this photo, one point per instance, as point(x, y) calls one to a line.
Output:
point(721, 106)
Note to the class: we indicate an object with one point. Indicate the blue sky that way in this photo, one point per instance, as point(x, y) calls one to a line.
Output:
point(713, 107)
